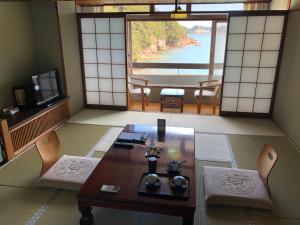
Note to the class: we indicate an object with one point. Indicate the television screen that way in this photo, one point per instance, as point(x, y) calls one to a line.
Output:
point(46, 87)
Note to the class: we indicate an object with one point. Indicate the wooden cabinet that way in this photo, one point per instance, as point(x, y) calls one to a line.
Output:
point(24, 128)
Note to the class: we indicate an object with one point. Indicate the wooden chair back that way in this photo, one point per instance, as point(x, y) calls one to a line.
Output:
point(48, 147)
point(266, 161)
point(217, 91)
point(207, 84)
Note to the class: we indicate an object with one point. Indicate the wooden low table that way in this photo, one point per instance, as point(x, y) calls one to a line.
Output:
point(171, 98)
point(125, 167)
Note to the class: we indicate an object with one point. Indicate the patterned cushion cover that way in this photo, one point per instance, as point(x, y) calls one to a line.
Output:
point(69, 172)
point(226, 186)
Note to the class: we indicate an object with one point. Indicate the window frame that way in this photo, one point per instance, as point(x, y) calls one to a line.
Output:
point(215, 18)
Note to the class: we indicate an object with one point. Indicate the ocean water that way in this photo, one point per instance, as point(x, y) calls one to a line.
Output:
point(189, 54)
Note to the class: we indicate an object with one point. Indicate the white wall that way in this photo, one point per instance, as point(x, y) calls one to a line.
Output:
point(17, 54)
point(71, 53)
point(287, 101)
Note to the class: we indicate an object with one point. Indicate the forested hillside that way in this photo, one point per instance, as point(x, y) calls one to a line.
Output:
point(150, 37)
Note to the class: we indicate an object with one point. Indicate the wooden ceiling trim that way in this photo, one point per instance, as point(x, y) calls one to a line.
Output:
point(151, 2)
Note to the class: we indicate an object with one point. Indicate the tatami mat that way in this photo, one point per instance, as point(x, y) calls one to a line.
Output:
point(211, 147)
point(19, 204)
point(108, 139)
point(258, 220)
point(284, 179)
point(64, 211)
point(76, 139)
point(79, 139)
point(201, 123)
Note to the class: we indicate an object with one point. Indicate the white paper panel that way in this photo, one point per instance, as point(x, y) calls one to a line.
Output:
point(264, 91)
point(105, 85)
point(245, 105)
point(251, 58)
point(92, 98)
point(266, 75)
point(119, 85)
point(234, 58)
point(88, 41)
point(90, 70)
point(104, 70)
point(247, 90)
point(232, 74)
point(87, 25)
point(91, 84)
point(274, 24)
point(237, 25)
point(106, 98)
point(104, 56)
point(89, 56)
point(249, 74)
point(120, 99)
point(256, 24)
point(118, 56)
point(269, 59)
point(229, 104)
point(102, 25)
point(253, 41)
point(116, 25)
point(258, 55)
point(103, 41)
point(236, 41)
point(271, 42)
point(230, 89)
point(262, 105)
point(117, 41)
point(118, 71)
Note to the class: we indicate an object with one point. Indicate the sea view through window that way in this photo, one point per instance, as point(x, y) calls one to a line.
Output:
point(176, 47)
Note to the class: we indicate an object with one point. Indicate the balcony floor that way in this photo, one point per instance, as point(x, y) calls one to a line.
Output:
point(187, 108)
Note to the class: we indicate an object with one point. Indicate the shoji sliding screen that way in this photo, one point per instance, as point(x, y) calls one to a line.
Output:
point(103, 57)
point(253, 51)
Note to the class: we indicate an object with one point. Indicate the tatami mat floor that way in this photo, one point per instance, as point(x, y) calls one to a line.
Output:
point(23, 199)
point(201, 123)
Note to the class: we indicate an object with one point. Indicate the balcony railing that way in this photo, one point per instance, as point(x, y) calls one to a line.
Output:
point(172, 67)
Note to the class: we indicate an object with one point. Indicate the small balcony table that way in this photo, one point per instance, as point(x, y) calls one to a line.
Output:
point(171, 98)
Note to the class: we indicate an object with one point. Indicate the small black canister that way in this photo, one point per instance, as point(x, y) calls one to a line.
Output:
point(152, 164)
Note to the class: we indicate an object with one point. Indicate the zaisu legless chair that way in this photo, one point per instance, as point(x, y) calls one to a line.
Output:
point(66, 172)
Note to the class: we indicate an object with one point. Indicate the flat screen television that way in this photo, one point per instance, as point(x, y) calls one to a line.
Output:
point(46, 87)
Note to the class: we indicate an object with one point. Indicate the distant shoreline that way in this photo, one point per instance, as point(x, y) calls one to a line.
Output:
point(150, 55)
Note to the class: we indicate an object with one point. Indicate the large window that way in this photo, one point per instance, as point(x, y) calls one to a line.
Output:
point(189, 47)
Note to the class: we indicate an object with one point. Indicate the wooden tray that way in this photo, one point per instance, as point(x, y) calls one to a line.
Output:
point(164, 191)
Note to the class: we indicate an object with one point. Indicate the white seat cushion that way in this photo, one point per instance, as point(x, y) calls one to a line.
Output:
point(137, 91)
point(204, 93)
point(69, 172)
point(225, 186)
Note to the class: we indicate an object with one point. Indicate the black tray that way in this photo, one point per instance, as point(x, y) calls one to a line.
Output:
point(164, 191)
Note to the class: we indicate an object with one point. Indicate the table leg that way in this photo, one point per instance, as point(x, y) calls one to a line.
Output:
point(161, 103)
point(182, 104)
point(188, 219)
point(86, 215)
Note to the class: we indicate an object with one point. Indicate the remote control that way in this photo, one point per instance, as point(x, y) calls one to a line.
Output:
point(123, 145)
point(110, 188)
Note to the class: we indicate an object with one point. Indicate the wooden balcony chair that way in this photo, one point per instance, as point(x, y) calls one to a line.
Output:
point(138, 87)
point(238, 187)
point(212, 89)
point(66, 172)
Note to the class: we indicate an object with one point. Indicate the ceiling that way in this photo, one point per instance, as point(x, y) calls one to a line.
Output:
point(124, 2)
